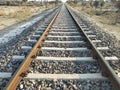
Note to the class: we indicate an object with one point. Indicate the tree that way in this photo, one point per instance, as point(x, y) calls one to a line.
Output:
point(113, 0)
point(118, 14)
point(102, 3)
point(8, 3)
point(95, 4)
point(118, 4)
point(91, 3)
point(24, 0)
point(56, 2)
point(46, 3)
point(41, 2)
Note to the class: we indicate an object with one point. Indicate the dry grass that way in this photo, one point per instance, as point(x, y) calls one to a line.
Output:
point(105, 20)
point(21, 12)
point(21, 15)
point(11, 14)
point(107, 17)
point(2, 13)
point(91, 11)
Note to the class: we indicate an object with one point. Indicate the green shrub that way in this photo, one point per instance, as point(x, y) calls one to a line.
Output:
point(24, 0)
point(95, 4)
point(102, 3)
point(118, 4)
point(8, 3)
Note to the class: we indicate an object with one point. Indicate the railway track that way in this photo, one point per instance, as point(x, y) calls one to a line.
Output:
point(64, 58)
point(12, 50)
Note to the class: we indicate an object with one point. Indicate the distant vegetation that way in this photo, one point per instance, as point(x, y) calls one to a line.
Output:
point(99, 7)
point(26, 2)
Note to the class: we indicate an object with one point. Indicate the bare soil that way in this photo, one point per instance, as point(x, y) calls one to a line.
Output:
point(10, 15)
point(104, 20)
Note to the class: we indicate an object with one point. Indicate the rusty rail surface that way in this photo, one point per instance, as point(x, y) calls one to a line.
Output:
point(21, 71)
point(106, 68)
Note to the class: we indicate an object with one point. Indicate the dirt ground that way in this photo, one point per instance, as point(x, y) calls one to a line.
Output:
point(104, 20)
point(10, 15)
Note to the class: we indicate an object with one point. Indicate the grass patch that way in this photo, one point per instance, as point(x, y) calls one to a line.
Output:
point(2, 13)
point(21, 14)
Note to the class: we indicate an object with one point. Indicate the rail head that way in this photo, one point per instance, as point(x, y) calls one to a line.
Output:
point(21, 71)
point(107, 70)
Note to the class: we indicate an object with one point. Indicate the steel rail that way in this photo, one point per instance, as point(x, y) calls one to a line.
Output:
point(22, 70)
point(107, 69)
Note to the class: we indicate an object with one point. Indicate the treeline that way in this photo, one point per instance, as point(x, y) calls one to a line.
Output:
point(26, 2)
point(98, 5)
point(95, 3)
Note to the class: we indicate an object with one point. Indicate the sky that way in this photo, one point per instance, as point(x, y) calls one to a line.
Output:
point(63, 0)
point(48, 0)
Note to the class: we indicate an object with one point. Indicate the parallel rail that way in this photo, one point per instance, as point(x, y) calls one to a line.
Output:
point(22, 71)
point(17, 77)
point(107, 69)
